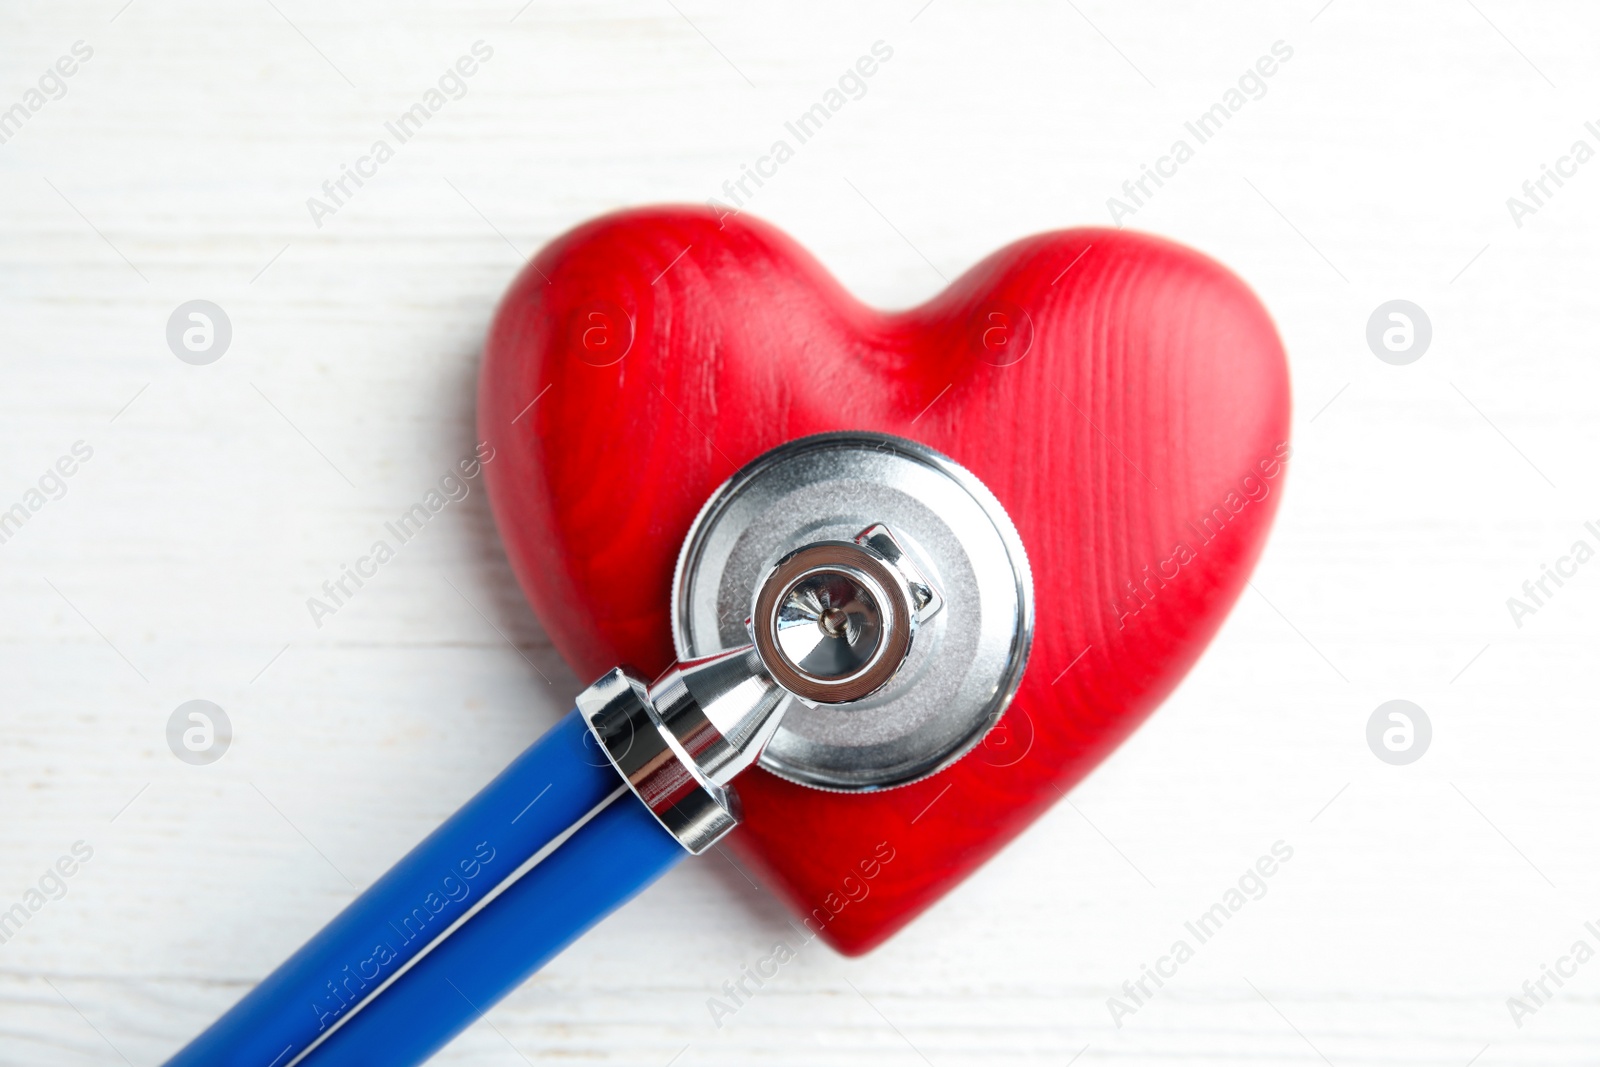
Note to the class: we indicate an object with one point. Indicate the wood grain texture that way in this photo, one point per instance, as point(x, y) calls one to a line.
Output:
point(1377, 165)
point(1126, 400)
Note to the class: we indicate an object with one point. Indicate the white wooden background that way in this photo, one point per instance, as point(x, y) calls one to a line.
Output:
point(218, 498)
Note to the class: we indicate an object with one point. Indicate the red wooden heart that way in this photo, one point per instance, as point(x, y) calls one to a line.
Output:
point(1126, 399)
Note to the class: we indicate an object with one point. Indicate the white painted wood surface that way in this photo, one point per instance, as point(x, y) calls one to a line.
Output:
point(177, 564)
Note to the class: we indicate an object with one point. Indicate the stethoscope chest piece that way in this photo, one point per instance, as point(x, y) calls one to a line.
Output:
point(961, 551)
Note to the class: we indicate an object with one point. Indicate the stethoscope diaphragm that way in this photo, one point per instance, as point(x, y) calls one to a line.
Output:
point(967, 659)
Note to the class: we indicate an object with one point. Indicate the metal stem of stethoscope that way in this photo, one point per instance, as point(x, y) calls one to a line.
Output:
point(832, 623)
point(551, 845)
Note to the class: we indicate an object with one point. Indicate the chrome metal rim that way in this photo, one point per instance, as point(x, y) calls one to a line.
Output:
point(961, 674)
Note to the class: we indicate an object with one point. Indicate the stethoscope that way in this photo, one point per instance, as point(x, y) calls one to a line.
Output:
point(852, 610)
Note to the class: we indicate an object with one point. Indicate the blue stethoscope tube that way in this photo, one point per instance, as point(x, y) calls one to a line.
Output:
point(601, 867)
point(560, 780)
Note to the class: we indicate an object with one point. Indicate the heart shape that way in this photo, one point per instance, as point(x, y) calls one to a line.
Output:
point(1125, 398)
